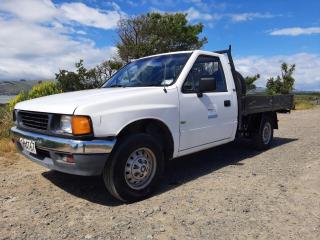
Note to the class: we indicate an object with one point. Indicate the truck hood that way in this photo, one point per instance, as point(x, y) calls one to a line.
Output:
point(67, 103)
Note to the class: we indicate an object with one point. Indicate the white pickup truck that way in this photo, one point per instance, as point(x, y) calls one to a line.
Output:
point(152, 110)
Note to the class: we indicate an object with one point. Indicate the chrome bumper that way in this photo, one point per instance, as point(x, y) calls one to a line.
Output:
point(64, 145)
point(89, 157)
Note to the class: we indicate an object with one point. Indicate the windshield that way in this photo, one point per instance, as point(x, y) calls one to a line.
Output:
point(153, 71)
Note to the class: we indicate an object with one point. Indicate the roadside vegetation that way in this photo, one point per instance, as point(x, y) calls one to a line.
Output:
point(40, 90)
point(5, 121)
point(250, 82)
point(282, 84)
point(6, 147)
point(306, 100)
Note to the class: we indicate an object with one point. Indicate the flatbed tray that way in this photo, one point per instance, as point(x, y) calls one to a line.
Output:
point(264, 103)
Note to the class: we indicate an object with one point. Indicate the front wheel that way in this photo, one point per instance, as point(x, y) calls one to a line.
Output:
point(134, 168)
point(263, 137)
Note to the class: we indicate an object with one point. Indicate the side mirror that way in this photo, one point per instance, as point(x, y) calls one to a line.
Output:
point(206, 84)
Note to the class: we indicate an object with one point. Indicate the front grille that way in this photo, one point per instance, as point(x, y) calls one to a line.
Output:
point(34, 120)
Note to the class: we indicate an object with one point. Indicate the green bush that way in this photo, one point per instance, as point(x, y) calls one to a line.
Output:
point(40, 90)
point(22, 96)
point(283, 84)
point(43, 89)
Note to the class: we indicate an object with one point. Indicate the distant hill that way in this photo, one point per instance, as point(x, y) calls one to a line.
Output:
point(263, 90)
point(299, 92)
point(257, 90)
point(15, 87)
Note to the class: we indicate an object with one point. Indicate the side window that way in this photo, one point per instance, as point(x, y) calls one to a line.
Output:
point(204, 67)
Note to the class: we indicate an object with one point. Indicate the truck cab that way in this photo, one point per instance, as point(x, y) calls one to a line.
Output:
point(152, 110)
point(208, 102)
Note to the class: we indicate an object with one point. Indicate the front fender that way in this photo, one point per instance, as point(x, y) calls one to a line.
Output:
point(113, 122)
point(110, 116)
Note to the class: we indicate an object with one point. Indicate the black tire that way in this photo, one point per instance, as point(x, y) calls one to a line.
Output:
point(260, 141)
point(114, 174)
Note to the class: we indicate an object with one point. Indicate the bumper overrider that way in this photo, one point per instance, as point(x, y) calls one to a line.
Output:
point(72, 156)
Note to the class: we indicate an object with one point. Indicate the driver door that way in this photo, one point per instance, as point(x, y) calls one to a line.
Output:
point(208, 117)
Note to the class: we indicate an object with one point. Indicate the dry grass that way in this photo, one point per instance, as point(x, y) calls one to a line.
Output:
point(302, 105)
point(5, 122)
point(306, 101)
point(6, 147)
point(8, 153)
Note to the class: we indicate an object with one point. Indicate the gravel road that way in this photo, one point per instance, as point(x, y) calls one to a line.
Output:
point(229, 192)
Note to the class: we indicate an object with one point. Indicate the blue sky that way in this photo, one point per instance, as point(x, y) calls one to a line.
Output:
point(37, 37)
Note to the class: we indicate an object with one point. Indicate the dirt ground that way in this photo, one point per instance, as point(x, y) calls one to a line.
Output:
point(230, 192)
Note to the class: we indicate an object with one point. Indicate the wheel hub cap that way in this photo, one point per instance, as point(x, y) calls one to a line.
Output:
point(140, 168)
point(266, 133)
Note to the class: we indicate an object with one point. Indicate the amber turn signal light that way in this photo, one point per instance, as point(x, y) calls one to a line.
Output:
point(81, 125)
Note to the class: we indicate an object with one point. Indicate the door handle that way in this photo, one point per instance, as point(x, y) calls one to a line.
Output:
point(227, 103)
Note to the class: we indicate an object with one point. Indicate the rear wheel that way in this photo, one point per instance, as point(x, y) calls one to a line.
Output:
point(263, 137)
point(134, 168)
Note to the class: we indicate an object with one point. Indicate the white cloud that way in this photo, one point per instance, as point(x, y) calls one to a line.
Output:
point(47, 11)
point(197, 15)
point(241, 17)
point(132, 3)
point(38, 37)
point(44, 67)
point(31, 10)
point(306, 74)
point(295, 31)
point(194, 14)
point(201, 10)
point(32, 51)
point(85, 15)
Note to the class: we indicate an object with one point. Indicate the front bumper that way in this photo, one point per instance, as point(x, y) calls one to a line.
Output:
point(89, 157)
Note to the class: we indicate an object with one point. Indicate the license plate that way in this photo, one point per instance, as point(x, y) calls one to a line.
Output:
point(28, 145)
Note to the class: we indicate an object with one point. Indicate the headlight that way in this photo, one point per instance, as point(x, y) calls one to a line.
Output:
point(76, 125)
point(66, 124)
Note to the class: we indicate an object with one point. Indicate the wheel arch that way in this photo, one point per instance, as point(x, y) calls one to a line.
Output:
point(255, 119)
point(154, 127)
point(273, 117)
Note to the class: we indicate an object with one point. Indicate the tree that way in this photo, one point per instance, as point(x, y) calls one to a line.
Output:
point(274, 86)
point(72, 81)
point(83, 78)
point(250, 81)
point(288, 80)
point(283, 84)
point(106, 69)
point(156, 33)
point(139, 36)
